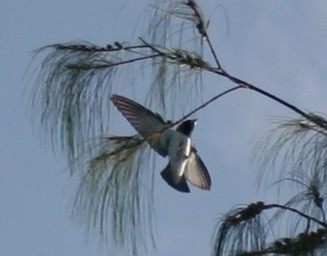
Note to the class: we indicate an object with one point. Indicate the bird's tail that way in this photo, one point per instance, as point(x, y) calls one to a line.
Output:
point(179, 184)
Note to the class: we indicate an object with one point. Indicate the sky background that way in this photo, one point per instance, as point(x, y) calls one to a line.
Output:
point(280, 46)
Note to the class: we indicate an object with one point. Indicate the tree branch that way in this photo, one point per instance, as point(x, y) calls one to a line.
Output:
point(205, 104)
point(271, 206)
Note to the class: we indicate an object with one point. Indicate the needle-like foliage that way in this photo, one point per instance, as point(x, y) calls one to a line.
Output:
point(176, 23)
point(70, 101)
point(304, 244)
point(75, 80)
point(241, 229)
point(177, 76)
point(245, 231)
point(309, 199)
point(296, 147)
point(296, 150)
point(115, 193)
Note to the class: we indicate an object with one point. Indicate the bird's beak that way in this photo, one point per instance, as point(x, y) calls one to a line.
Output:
point(195, 120)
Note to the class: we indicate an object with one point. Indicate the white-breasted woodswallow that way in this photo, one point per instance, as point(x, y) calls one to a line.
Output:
point(184, 162)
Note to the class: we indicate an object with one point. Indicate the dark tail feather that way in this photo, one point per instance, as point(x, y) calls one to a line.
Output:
point(180, 185)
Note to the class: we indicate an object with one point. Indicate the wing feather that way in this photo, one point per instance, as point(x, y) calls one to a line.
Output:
point(196, 172)
point(144, 121)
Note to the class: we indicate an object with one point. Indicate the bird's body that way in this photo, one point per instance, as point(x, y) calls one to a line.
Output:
point(184, 162)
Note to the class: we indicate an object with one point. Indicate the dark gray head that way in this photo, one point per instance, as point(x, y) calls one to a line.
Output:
point(186, 127)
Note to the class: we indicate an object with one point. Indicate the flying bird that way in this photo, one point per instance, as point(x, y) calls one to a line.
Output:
point(184, 162)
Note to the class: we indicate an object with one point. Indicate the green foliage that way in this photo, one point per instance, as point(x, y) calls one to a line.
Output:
point(115, 194)
point(297, 149)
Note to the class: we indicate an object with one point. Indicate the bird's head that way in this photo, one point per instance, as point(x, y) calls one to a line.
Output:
point(186, 127)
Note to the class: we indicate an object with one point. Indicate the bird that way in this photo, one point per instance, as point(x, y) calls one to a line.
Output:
point(185, 165)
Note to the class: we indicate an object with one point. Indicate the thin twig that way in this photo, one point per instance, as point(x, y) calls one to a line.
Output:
point(213, 51)
point(259, 90)
point(220, 71)
point(308, 217)
point(110, 65)
point(205, 104)
point(93, 48)
point(195, 110)
point(152, 47)
point(202, 29)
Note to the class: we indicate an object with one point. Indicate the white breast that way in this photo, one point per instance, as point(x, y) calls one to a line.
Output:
point(179, 150)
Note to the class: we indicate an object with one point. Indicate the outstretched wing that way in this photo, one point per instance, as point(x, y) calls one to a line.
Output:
point(144, 121)
point(196, 172)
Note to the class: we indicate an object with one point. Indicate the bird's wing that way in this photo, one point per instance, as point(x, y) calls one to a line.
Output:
point(144, 121)
point(177, 182)
point(196, 172)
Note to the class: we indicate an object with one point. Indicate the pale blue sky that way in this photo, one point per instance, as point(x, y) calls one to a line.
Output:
point(278, 45)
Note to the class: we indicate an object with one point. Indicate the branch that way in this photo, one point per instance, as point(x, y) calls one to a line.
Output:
point(220, 71)
point(110, 65)
point(88, 47)
point(202, 29)
point(271, 206)
point(205, 104)
point(247, 85)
